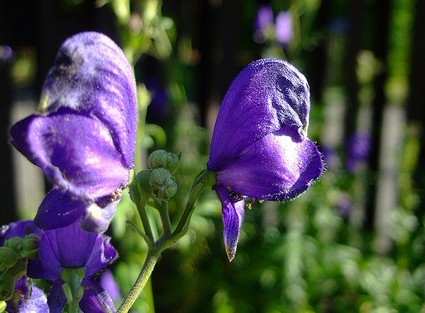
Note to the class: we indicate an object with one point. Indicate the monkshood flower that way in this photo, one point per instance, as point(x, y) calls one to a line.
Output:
point(284, 30)
point(263, 20)
point(357, 149)
point(71, 248)
point(83, 136)
point(259, 147)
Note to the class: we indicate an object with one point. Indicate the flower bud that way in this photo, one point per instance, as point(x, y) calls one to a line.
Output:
point(14, 243)
point(30, 246)
point(162, 183)
point(8, 257)
point(162, 158)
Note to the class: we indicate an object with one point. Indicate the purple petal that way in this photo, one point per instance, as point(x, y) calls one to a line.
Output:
point(97, 219)
point(57, 299)
point(71, 247)
point(95, 299)
point(76, 152)
point(108, 283)
point(59, 209)
point(273, 168)
point(92, 76)
point(37, 302)
point(102, 254)
point(268, 95)
point(232, 213)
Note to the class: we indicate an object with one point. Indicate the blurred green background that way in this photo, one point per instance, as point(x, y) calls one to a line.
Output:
point(354, 242)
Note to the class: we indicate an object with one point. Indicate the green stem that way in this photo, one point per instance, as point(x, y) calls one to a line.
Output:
point(204, 179)
point(165, 217)
point(144, 217)
point(141, 281)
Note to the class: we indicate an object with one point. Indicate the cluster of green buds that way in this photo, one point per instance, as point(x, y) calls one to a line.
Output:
point(158, 180)
point(14, 256)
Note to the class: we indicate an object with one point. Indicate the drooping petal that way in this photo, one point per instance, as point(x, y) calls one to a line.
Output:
point(76, 152)
point(232, 213)
point(274, 168)
point(102, 254)
point(266, 96)
point(92, 76)
point(95, 299)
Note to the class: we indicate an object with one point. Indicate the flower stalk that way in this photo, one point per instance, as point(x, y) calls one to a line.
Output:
point(205, 179)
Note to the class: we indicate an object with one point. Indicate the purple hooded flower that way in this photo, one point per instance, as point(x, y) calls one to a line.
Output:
point(84, 135)
point(284, 31)
point(259, 147)
point(72, 247)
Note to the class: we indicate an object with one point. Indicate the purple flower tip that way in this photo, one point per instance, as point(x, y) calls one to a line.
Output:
point(259, 147)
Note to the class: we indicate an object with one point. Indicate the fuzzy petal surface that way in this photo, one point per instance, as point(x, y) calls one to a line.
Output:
point(273, 168)
point(266, 96)
point(76, 152)
point(232, 213)
point(92, 76)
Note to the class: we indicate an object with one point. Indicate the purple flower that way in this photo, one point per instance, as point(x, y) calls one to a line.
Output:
point(264, 17)
point(259, 147)
point(284, 31)
point(357, 149)
point(263, 20)
point(72, 247)
point(84, 135)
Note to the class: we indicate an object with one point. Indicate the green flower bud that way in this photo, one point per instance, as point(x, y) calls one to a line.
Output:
point(162, 158)
point(14, 243)
point(3, 305)
point(7, 286)
point(30, 246)
point(162, 183)
point(8, 257)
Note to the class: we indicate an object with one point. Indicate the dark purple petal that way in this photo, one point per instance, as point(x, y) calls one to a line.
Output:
point(71, 247)
point(232, 213)
point(76, 152)
point(56, 299)
point(59, 209)
point(267, 95)
point(273, 168)
point(95, 299)
point(92, 76)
